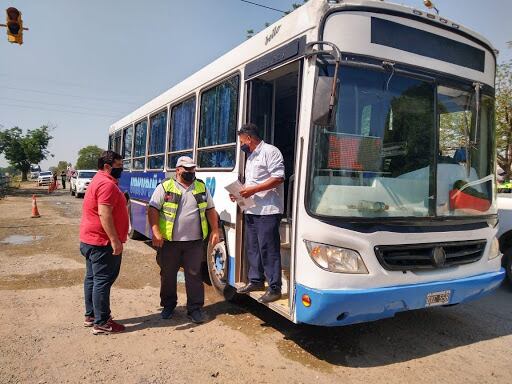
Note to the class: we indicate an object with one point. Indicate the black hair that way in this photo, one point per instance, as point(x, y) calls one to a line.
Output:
point(251, 130)
point(108, 157)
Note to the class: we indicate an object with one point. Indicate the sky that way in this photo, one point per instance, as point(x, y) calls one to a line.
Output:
point(86, 64)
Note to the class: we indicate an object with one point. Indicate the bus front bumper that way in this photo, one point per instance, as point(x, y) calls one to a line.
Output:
point(343, 307)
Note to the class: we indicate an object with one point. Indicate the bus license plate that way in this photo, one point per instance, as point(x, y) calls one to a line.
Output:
point(438, 298)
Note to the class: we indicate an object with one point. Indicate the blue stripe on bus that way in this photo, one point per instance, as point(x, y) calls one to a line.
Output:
point(343, 307)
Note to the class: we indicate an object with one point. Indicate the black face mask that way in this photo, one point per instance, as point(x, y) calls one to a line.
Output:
point(245, 148)
point(188, 176)
point(116, 173)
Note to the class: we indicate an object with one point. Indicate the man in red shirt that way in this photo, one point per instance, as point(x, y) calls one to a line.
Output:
point(103, 230)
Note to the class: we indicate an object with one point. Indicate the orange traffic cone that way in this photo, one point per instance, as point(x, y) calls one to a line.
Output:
point(35, 212)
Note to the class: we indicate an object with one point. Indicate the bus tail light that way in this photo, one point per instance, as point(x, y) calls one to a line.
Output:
point(336, 259)
point(306, 300)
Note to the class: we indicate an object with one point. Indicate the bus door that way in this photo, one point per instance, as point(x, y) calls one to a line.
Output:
point(273, 104)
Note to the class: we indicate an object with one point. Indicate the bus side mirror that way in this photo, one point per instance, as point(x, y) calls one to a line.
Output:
point(321, 101)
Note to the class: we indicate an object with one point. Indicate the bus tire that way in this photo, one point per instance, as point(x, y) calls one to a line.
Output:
point(217, 261)
point(507, 263)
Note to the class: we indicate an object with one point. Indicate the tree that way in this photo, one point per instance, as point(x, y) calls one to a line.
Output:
point(22, 150)
point(504, 117)
point(62, 166)
point(88, 157)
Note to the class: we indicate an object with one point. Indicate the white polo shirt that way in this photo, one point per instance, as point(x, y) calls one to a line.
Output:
point(264, 162)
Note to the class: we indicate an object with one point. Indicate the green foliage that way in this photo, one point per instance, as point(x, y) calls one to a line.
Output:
point(88, 157)
point(22, 150)
point(504, 117)
point(62, 166)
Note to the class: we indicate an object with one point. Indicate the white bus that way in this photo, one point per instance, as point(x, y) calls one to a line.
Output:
point(384, 115)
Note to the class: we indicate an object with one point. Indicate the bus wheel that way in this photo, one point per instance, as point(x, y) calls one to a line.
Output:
point(508, 263)
point(217, 261)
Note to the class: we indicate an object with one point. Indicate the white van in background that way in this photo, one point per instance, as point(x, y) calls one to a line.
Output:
point(80, 180)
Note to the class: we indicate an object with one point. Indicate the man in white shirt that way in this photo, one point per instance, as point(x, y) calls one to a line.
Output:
point(264, 177)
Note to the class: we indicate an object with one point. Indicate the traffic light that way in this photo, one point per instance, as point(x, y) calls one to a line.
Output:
point(14, 26)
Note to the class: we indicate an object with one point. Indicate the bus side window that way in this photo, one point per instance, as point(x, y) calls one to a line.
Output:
point(156, 148)
point(139, 148)
point(111, 142)
point(127, 147)
point(217, 125)
point(117, 142)
point(181, 136)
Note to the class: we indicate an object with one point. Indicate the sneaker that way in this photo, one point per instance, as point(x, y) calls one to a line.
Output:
point(89, 321)
point(167, 313)
point(196, 316)
point(109, 327)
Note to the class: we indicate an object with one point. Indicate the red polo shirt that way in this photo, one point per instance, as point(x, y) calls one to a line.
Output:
point(103, 190)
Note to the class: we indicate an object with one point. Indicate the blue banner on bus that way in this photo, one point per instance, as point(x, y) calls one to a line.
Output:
point(140, 185)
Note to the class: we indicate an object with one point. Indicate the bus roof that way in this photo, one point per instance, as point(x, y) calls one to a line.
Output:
point(305, 19)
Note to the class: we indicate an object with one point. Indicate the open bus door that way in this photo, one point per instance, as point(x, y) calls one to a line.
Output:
point(272, 103)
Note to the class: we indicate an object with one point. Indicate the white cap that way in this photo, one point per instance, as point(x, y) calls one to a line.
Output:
point(185, 161)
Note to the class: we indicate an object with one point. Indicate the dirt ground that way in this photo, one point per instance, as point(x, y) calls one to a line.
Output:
point(42, 339)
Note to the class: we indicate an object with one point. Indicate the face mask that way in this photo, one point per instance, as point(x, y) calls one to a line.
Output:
point(188, 176)
point(245, 148)
point(116, 173)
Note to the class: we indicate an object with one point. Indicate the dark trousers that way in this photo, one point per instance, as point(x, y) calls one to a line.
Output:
point(172, 256)
point(263, 249)
point(63, 183)
point(102, 269)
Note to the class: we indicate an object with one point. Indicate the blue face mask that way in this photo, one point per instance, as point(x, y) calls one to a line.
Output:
point(245, 148)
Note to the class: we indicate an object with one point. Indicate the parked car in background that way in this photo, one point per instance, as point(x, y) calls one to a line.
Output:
point(44, 178)
point(505, 232)
point(80, 180)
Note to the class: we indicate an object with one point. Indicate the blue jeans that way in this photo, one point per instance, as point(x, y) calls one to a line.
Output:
point(102, 269)
point(263, 249)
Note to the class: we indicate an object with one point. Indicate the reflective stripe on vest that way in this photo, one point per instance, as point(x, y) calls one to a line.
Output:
point(172, 202)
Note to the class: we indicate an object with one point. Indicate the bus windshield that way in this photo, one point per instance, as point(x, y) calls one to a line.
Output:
point(376, 157)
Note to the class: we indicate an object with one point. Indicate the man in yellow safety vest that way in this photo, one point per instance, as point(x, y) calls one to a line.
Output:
point(179, 212)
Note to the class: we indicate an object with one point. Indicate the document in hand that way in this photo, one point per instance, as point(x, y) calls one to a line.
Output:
point(235, 188)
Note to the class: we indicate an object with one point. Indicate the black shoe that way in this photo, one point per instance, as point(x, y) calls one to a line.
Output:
point(167, 313)
point(251, 287)
point(270, 296)
point(196, 316)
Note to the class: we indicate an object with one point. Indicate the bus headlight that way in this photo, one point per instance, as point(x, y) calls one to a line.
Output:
point(494, 249)
point(335, 259)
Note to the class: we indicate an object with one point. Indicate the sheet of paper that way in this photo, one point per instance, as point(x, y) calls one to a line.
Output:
point(234, 188)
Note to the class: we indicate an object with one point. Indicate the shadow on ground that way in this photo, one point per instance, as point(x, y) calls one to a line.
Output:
point(407, 336)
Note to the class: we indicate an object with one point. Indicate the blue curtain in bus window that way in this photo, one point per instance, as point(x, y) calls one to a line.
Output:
point(156, 162)
point(219, 107)
point(140, 139)
point(127, 143)
point(182, 129)
point(157, 133)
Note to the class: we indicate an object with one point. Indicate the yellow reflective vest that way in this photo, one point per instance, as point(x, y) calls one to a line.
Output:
point(172, 203)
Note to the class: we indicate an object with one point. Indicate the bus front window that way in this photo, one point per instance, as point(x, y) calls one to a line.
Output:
point(464, 169)
point(374, 160)
point(375, 156)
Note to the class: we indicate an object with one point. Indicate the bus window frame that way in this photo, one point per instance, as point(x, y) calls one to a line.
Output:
point(168, 152)
point(417, 71)
point(148, 156)
point(123, 130)
point(145, 157)
point(204, 89)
